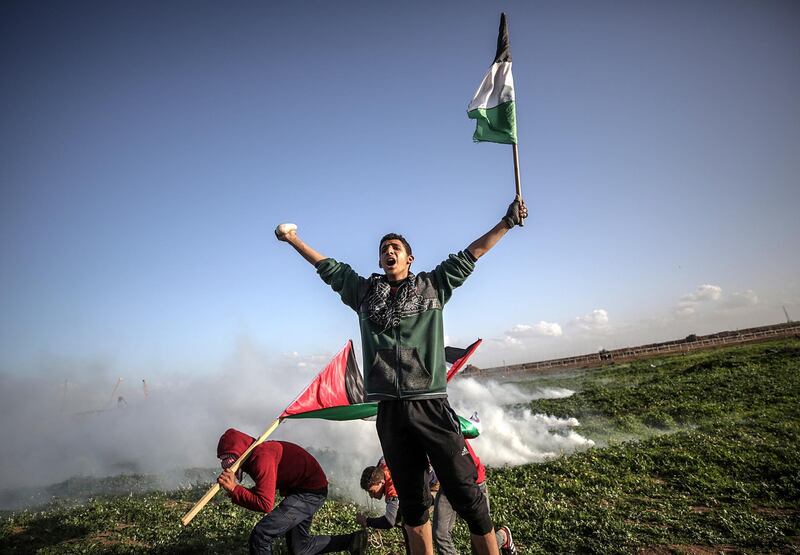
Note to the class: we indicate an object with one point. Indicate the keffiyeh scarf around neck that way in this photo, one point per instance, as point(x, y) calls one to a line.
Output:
point(385, 309)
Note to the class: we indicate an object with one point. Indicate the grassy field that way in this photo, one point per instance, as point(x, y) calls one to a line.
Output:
point(696, 454)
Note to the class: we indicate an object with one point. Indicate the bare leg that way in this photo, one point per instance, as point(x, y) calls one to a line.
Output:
point(421, 539)
point(486, 544)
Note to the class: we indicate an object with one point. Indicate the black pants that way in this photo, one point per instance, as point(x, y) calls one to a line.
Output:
point(292, 518)
point(413, 432)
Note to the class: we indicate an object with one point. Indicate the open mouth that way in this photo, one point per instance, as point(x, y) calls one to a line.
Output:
point(391, 261)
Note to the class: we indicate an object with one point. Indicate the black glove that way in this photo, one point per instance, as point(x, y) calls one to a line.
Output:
point(513, 216)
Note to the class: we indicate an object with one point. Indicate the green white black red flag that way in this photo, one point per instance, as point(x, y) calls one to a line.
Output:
point(337, 393)
point(492, 106)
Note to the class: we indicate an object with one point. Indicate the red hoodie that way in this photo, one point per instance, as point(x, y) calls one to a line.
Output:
point(272, 464)
point(388, 483)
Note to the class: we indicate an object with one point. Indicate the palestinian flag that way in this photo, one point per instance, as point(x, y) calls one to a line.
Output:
point(337, 393)
point(457, 358)
point(493, 104)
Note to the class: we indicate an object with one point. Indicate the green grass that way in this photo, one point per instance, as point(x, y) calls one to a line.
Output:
point(700, 452)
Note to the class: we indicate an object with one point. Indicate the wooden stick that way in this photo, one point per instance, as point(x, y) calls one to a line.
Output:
point(516, 177)
point(187, 518)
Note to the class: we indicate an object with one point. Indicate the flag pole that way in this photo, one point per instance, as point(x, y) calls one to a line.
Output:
point(187, 518)
point(516, 177)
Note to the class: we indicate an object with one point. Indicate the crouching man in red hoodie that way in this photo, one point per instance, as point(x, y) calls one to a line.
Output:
point(300, 480)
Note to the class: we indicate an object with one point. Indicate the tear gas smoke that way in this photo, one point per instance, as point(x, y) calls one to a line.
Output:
point(49, 434)
point(512, 435)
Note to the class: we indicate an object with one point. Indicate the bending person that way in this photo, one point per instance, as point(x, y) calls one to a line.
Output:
point(377, 482)
point(300, 480)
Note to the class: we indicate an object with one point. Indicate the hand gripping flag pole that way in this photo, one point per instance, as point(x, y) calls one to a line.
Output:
point(516, 178)
point(494, 107)
point(187, 518)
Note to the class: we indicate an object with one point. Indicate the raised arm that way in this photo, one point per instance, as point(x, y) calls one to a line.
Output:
point(514, 215)
point(288, 234)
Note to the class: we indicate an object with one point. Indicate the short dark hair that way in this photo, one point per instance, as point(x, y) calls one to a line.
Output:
point(399, 238)
point(372, 475)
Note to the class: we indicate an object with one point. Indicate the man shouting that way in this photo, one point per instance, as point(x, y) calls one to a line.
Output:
point(402, 339)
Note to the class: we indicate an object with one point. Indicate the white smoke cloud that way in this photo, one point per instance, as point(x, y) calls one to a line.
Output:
point(514, 436)
point(49, 434)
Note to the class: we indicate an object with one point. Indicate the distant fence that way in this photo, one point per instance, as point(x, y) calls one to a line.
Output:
point(645, 351)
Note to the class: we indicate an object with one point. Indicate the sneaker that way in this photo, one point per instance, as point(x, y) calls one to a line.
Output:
point(508, 548)
point(358, 545)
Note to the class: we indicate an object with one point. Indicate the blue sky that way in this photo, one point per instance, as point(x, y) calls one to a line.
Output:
point(150, 148)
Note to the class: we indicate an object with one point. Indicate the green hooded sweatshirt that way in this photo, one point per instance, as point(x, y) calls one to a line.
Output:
point(402, 336)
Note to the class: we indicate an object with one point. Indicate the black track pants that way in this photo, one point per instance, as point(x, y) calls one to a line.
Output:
point(411, 432)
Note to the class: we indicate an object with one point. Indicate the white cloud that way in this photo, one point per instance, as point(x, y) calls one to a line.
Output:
point(706, 309)
point(596, 320)
point(305, 361)
point(705, 292)
point(542, 329)
point(684, 309)
point(689, 303)
point(739, 300)
point(511, 341)
point(541, 340)
point(710, 298)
